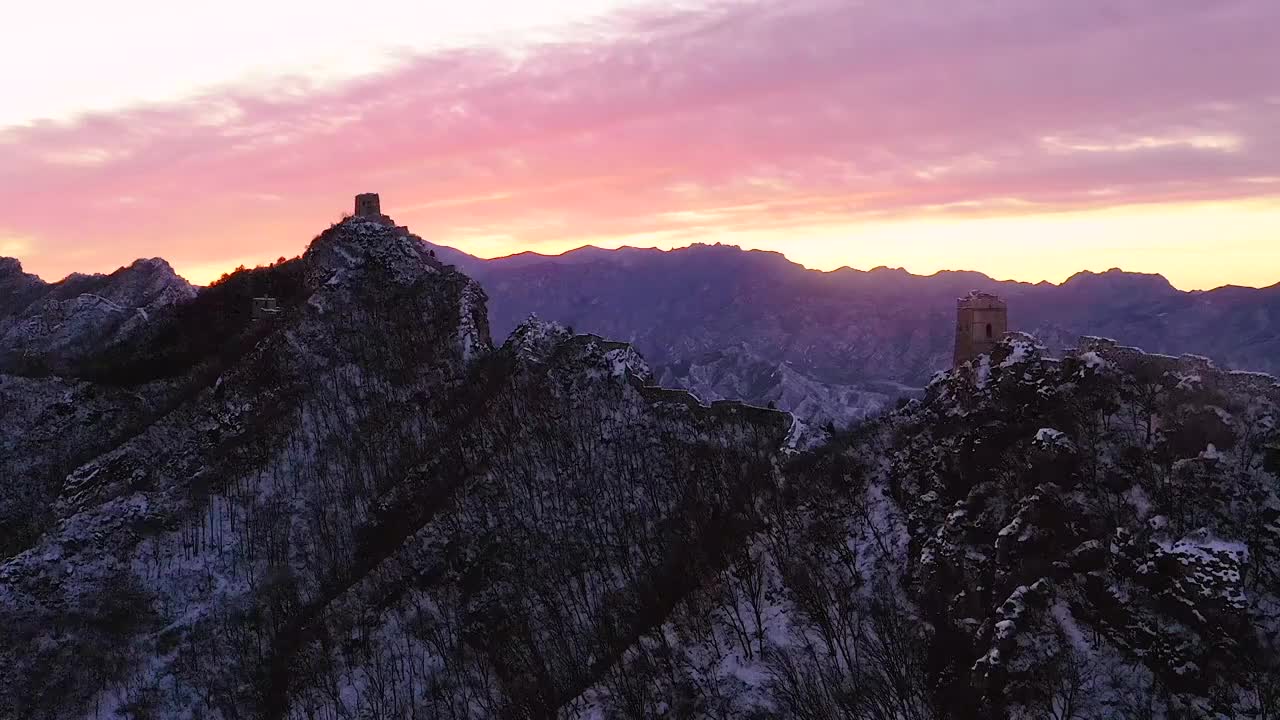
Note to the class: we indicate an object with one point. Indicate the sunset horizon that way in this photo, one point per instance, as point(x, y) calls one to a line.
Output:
point(206, 275)
point(1058, 139)
point(640, 360)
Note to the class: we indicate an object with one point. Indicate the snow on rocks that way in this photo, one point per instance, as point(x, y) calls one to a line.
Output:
point(982, 373)
point(1021, 348)
point(1188, 381)
point(1211, 568)
point(61, 324)
point(1093, 360)
point(1008, 617)
point(625, 361)
point(358, 245)
point(1054, 439)
point(471, 314)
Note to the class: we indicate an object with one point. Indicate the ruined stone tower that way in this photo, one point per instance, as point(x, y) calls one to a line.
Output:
point(981, 320)
point(265, 307)
point(367, 205)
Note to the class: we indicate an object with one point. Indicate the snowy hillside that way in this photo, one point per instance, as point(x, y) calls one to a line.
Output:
point(1091, 537)
point(360, 507)
point(478, 530)
point(51, 327)
point(736, 373)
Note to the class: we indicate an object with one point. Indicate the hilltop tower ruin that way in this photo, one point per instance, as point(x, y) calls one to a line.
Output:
point(265, 307)
point(981, 320)
point(368, 205)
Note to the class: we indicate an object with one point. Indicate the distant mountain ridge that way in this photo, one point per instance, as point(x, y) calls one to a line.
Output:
point(833, 347)
point(851, 325)
point(54, 326)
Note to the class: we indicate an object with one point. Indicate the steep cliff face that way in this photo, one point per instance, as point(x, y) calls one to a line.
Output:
point(48, 427)
point(364, 509)
point(51, 328)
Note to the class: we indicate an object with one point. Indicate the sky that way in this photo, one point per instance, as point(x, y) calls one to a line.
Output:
point(1028, 139)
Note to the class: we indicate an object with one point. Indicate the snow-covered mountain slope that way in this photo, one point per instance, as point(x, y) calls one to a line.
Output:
point(1091, 537)
point(361, 508)
point(48, 427)
point(736, 373)
point(50, 328)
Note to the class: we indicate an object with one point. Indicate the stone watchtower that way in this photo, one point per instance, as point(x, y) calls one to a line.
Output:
point(265, 307)
point(367, 205)
point(981, 320)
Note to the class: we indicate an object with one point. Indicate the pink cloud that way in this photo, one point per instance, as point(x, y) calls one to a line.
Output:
point(749, 115)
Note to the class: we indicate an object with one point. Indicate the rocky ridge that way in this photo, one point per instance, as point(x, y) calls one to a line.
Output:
point(366, 465)
point(361, 507)
point(1094, 536)
point(49, 328)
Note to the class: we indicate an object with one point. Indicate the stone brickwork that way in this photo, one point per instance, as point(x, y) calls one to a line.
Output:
point(368, 205)
point(981, 320)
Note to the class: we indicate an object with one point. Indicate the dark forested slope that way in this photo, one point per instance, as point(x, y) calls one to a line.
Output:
point(1091, 537)
point(360, 508)
point(367, 510)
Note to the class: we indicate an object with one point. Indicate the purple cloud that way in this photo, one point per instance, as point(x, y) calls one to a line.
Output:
point(746, 115)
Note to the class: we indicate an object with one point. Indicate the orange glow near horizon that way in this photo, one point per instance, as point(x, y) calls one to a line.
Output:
point(1027, 141)
point(1196, 246)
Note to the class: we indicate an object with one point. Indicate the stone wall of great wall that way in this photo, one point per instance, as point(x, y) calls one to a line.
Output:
point(1209, 374)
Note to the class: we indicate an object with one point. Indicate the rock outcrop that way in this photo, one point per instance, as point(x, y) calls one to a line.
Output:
point(52, 328)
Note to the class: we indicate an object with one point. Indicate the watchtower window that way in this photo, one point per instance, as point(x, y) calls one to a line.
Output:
point(988, 330)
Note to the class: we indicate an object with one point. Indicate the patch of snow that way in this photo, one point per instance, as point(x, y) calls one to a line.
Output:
point(626, 360)
point(472, 344)
point(1138, 500)
point(1053, 438)
point(1251, 375)
point(1021, 350)
point(983, 370)
point(1049, 435)
point(1070, 628)
point(1093, 360)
